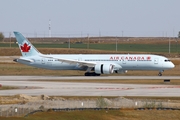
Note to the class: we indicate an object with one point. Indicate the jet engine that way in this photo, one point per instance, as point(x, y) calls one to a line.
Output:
point(104, 68)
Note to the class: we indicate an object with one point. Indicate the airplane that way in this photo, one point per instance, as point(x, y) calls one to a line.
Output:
point(93, 64)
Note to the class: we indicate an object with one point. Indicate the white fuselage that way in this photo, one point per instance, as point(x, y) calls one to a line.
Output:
point(126, 61)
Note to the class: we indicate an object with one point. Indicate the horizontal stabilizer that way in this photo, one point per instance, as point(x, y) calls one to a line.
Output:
point(22, 59)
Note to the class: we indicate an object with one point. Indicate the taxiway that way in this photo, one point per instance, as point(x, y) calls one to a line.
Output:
point(30, 86)
point(85, 77)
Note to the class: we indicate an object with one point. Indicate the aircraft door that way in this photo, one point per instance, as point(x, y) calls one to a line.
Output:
point(43, 61)
point(156, 61)
point(124, 61)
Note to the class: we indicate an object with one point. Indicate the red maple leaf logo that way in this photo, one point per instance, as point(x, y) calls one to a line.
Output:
point(25, 47)
point(148, 58)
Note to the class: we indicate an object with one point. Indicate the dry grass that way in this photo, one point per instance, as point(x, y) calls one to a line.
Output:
point(19, 69)
point(103, 115)
point(113, 115)
point(7, 88)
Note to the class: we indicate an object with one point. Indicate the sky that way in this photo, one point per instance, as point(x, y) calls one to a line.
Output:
point(127, 18)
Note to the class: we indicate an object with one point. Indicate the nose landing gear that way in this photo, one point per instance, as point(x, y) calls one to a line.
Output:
point(160, 73)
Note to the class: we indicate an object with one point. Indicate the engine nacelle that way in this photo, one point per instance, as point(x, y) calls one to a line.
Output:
point(104, 68)
point(121, 71)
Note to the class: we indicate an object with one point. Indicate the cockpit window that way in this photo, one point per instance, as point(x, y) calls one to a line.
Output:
point(167, 60)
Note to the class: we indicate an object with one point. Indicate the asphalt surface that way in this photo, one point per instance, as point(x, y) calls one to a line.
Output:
point(30, 86)
point(84, 77)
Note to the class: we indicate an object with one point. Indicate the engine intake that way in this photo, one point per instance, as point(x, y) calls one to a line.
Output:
point(104, 68)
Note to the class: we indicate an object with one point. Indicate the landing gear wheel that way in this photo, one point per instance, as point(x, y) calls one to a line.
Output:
point(86, 74)
point(160, 74)
point(91, 74)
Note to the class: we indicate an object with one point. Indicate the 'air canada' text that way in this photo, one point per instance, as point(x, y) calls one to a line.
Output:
point(134, 58)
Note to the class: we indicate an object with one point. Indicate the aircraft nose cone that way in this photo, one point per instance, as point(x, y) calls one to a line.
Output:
point(172, 65)
point(169, 65)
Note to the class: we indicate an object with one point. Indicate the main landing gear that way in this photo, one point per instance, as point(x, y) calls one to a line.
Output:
point(91, 74)
point(160, 73)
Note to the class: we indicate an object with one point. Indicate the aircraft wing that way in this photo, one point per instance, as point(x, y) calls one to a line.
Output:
point(81, 63)
point(71, 61)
